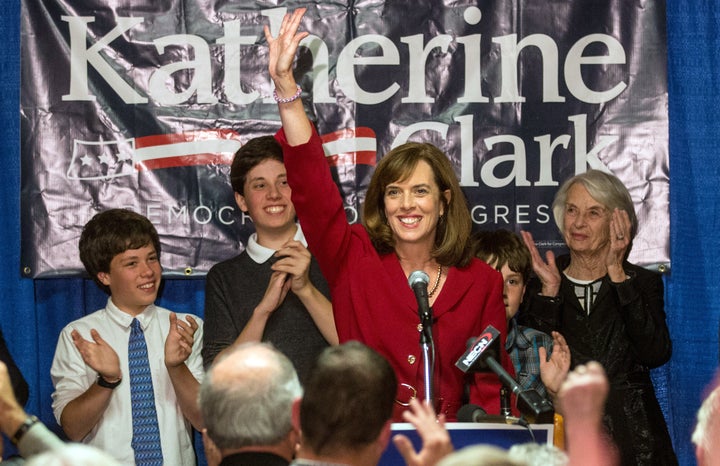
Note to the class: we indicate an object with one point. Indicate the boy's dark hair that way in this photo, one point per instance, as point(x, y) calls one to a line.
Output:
point(503, 247)
point(252, 153)
point(110, 233)
point(348, 399)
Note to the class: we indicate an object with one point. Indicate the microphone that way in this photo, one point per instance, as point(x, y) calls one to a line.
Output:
point(505, 409)
point(470, 413)
point(418, 281)
point(482, 355)
point(474, 413)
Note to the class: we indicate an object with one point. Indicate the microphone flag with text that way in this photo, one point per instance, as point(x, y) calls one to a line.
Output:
point(482, 355)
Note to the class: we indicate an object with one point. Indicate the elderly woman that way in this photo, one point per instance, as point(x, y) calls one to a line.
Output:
point(608, 309)
point(415, 218)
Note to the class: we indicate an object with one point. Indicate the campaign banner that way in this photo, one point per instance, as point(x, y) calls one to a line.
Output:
point(142, 105)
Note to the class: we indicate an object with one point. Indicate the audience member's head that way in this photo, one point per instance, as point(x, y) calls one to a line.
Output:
point(538, 454)
point(74, 454)
point(246, 400)
point(707, 450)
point(480, 455)
point(348, 403)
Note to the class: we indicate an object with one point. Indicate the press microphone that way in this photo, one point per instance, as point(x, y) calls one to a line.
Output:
point(418, 281)
point(470, 413)
point(482, 355)
point(474, 413)
point(505, 409)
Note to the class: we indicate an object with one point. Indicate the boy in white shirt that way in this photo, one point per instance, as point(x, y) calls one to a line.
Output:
point(120, 250)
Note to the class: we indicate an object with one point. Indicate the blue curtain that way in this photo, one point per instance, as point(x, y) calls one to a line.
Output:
point(35, 311)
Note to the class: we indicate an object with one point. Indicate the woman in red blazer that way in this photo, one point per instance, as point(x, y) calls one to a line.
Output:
point(415, 218)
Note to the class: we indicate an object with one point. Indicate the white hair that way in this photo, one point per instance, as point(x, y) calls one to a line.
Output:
point(538, 454)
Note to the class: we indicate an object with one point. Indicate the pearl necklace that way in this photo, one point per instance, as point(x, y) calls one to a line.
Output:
point(437, 282)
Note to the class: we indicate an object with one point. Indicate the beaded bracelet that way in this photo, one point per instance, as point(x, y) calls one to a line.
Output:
point(280, 100)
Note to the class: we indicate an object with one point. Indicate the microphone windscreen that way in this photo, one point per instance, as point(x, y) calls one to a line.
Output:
point(418, 276)
point(470, 413)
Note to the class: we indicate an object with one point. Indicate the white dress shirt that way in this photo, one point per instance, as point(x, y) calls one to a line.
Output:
point(260, 254)
point(113, 433)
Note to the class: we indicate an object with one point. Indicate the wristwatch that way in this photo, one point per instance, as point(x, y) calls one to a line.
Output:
point(24, 427)
point(104, 383)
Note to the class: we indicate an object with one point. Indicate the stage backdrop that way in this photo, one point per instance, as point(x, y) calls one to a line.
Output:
point(143, 106)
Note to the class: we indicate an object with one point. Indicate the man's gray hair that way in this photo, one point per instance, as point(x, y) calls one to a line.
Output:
point(250, 403)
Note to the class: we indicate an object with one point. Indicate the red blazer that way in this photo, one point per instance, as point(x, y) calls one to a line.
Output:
point(373, 303)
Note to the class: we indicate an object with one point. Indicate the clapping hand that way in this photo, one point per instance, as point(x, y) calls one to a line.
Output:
point(295, 262)
point(98, 354)
point(546, 270)
point(179, 342)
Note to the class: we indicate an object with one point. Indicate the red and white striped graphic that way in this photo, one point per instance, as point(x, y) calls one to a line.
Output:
point(110, 159)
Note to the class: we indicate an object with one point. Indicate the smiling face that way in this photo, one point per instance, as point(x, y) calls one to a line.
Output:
point(413, 206)
point(266, 199)
point(586, 222)
point(134, 279)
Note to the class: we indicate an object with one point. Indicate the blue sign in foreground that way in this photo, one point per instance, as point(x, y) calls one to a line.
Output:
point(468, 433)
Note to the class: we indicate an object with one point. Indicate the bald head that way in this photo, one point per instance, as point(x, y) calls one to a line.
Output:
point(246, 397)
point(247, 365)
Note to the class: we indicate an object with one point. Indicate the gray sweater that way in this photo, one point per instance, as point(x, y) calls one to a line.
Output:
point(234, 288)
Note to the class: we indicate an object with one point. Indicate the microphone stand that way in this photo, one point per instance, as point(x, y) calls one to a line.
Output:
point(428, 349)
point(418, 281)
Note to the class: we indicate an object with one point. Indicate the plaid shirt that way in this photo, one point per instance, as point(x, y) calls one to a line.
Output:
point(522, 344)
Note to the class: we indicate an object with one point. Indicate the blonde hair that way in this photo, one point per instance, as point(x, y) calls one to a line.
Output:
point(73, 454)
point(480, 455)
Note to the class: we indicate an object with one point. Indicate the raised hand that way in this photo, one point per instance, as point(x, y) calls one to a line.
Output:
point(98, 354)
point(179, 341)
point(282, 51)
point(582, 401)
point(11, 413)
point(436, 442)
point(295, 123)
point(582, 395)
point(546, 270)
point(554, 371)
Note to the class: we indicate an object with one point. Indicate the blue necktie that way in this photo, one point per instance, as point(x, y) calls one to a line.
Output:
point(146, 434)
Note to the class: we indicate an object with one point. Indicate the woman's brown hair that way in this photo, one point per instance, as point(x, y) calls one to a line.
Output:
point(453, 228)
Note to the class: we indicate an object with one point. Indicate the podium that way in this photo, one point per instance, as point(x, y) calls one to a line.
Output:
point(472, 433)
